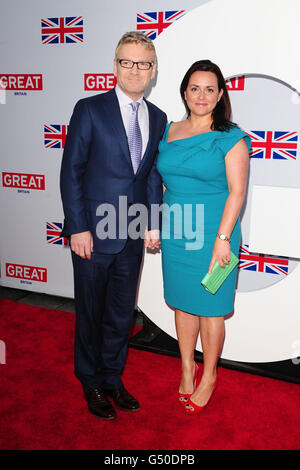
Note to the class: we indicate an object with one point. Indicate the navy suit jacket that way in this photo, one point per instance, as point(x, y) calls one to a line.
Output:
point(97, 169)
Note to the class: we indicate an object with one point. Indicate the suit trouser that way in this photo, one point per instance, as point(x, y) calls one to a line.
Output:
point(105, 293)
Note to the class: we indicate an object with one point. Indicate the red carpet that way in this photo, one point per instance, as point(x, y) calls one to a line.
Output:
point(42, 405)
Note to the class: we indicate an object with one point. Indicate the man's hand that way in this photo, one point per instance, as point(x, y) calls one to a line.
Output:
point(152, 239)
point(82, 244)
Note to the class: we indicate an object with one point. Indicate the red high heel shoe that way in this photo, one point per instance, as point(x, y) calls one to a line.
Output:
point(184, 397)
point(192, 409)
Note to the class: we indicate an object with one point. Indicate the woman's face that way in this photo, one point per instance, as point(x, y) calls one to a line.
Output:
point(202, 93)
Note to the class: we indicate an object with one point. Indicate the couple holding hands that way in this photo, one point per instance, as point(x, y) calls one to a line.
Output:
point(119, 144)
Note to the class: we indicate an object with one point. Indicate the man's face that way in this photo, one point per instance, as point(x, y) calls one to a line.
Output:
point(133, 82)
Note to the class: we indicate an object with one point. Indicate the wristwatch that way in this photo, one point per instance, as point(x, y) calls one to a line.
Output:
point(223, 237)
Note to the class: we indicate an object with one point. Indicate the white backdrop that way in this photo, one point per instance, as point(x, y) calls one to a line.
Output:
point(266, 322)
point(25, 210)
point(265, 326)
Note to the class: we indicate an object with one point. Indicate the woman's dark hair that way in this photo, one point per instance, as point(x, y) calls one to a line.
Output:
point(222, 113)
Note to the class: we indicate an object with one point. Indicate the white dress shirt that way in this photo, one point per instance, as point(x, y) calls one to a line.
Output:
point(143, 115)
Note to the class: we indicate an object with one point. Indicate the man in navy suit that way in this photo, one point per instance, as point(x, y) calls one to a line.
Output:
point(110, 161)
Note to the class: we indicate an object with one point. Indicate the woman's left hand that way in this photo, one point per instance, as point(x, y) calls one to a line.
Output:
point(221, 253)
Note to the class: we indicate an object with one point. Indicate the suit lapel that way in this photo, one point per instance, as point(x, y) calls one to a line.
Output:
point(150, 139)
point(114, 113)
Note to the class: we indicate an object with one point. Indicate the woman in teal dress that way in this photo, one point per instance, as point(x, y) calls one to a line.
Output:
point(203, 161)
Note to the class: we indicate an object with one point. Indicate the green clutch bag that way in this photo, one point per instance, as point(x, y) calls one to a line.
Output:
point(215, 279)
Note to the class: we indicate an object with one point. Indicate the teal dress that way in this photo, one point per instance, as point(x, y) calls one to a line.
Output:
point(193, 172)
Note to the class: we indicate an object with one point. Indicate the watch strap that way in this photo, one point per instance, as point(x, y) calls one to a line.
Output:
point(223, 237)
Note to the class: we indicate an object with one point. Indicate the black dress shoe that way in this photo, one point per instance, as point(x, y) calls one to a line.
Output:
point(123, 400)
point(99, 405)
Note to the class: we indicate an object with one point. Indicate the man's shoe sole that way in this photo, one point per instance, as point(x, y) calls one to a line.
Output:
point(101, 417)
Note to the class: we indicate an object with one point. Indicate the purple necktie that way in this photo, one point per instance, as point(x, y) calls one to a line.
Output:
point(135, 137)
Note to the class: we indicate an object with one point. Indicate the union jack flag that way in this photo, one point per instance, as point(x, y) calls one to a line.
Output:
point(53, 231)
point(262, 263)
point(62, 30)
point(275, 145)
point(55, 136)
point(153, 23)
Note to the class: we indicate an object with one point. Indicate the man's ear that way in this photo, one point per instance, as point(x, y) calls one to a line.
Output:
point(154, 68)
point(115, 67)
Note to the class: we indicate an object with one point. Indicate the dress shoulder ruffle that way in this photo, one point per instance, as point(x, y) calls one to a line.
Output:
point(223, 139)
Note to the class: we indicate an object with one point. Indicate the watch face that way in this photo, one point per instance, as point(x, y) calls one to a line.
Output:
point(222, 237)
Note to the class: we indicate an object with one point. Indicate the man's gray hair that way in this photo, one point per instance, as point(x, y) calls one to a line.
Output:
point(137, 38)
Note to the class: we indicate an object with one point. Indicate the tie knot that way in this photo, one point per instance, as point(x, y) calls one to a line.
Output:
point(135, 105)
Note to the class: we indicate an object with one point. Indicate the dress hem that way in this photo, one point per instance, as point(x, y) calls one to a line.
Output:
point(198, 314)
